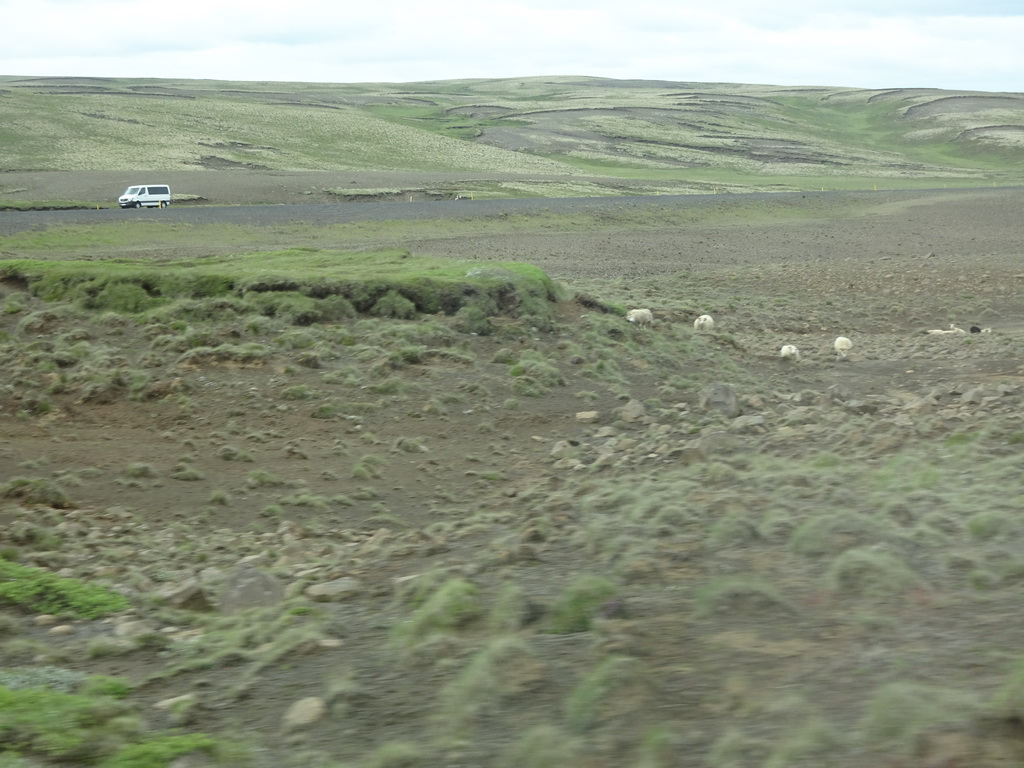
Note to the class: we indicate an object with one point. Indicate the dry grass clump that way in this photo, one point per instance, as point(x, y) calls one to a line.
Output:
point(747, 595)
point(835, 532)
point(579, 603)
point(900, 713)
point(543, 746)
point(35, 490)
point(504, 667)
point(868, 572)
point(453, 605)
point(616, 688)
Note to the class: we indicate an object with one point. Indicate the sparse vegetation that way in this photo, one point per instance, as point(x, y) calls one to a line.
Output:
point(39, 591)
point(436, 487)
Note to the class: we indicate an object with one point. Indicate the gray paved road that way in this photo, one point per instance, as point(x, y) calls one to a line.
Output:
point(322, 214)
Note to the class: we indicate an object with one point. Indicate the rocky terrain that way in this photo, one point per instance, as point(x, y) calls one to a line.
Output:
point(387, 542)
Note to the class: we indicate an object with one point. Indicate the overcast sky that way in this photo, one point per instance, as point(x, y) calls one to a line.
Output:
point(953, 44)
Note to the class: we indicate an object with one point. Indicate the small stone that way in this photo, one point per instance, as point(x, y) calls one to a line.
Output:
point(136, 628)
point(188, 595)
point(632, 411)
point(248, 587)
point(303, 713)
point(62, 629)
point(344, 588)
point(587, 417)
point(45, 620)
point(186, 698)
point(564, 449)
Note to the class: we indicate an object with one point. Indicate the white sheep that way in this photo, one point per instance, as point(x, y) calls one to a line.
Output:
point(953, 328)
point(789, 352)
point(842, 345)
point(704, 323)
point(642, 317)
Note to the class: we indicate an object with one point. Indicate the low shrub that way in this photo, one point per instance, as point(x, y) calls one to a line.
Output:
point(453, 605)
point(39, 591)
point(576, 607)
point(35, 490)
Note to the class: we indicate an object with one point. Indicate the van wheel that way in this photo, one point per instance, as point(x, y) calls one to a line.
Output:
point(163, 203)
point(138, 204)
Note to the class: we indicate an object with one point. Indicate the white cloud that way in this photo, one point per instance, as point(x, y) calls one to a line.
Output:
point(870, 43)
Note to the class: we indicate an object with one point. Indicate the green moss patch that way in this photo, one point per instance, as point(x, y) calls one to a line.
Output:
point(39, 591)
point(302, 285)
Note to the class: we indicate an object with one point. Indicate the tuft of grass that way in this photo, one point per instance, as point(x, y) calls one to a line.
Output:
point(732, 529)
point(39, 591)
point(138, 469)
point(163, 750)
point(576, 607)
point(868, 573)
point(455, 604)
point(394, 304)
point(533, 376)
point(900, 713)
point(1008, 701)
point(543, 746)
point(35, 490)
point(814, 740)
point(64, 727)
point(395, 754)
point(600, 689)
point(832, 533)
point(992, 524)
point(731, 592)
point(52, 678)
point(504, 667)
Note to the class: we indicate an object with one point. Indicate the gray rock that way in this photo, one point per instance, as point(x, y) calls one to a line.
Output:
point(247, 587)
point(860, 406)
point(750, 424)
point(334, 591)
point(303, 713)
point(565, 449)
point(973, 396)
point(719, 397)
point(632, 411)
point(189, 595)
point(134, 628)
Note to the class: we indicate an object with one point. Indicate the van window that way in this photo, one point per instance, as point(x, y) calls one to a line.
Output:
point(159, 191)
point(132, 190)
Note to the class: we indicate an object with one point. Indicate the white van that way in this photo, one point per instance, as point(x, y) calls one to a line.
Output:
point(146, 195)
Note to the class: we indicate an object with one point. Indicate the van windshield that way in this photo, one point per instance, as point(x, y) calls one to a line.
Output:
point(132, 190)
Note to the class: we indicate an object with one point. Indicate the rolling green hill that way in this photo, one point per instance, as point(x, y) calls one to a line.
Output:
point(665, 136)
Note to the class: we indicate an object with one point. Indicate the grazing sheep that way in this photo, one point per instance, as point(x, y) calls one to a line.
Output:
point(953, 328)
point(842, 345)
point(642, 317)
point(976, 329)
point(789, 352)
point(704, 323)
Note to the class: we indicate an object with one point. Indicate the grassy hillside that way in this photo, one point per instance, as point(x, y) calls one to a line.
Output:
point(664, 136)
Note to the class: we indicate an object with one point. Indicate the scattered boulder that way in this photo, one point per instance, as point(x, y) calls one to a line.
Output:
point(248, 587)
point(344, 588)
point(303, 713)
point(632, 411)
point(189, 595)
point(719, 397)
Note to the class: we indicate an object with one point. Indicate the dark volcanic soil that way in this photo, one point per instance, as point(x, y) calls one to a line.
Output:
point(438, 464)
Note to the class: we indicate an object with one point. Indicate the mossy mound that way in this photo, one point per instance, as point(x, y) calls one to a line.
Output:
point(306, 285)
